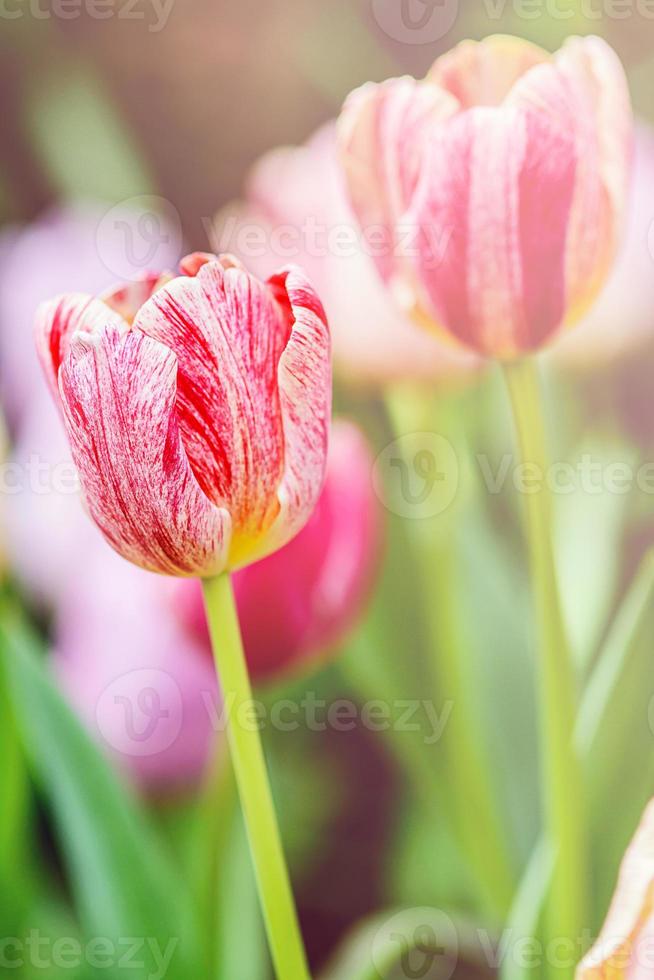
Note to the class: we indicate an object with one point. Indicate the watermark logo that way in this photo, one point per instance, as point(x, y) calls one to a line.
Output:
point(414, 942)
point(417, 475)
point(416, 21)
point(139, 235)
point(140, 713)
point(152, 13)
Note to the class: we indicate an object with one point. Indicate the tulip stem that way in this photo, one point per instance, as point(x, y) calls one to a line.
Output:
point(272, 876)
point(562, 775)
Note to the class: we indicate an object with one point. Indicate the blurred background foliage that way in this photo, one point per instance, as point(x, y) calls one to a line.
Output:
point(108, 109)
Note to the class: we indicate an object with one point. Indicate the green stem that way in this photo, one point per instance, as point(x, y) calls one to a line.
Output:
point(475, 808)
point(565, 824)
point(476, 822)
point(273, 882)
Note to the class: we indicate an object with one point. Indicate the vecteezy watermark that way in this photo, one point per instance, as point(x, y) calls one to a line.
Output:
point(141, 234)
point(39, 476)
point(429, 21)
point(316, 239)
point(416, 21)
point(141, 714)
point(39, 952)
point(153, 13)
point(412, 942)
point(417, 475)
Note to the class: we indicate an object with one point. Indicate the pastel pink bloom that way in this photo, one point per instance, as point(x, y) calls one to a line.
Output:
point(622, 319)
point(624, 950)
point(57, 252)
point(296, 207)
point(143, 685)
point(299, 603)
point(497, 186)
point(198, 420)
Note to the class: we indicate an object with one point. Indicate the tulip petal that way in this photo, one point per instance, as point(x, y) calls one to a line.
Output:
point(128, 298)
point(482, 73)
point(118, 392)
point(615, 954)
point(383, 132)
point(493, 211)
point(585, 89)
point(305, 397)
point(228, 333)
point(56, 322)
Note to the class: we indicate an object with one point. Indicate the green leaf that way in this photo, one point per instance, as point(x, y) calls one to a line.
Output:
point(82, 141)
point(123, 883)
point(588, 562)
point(613, 737)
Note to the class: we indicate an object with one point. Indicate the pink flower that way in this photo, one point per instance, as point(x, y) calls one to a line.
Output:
point(622, 319)
point(301, 601)
point(143, 685)
point(296, 207)
point(198, 421)
point(624, 948)
point(497, 186)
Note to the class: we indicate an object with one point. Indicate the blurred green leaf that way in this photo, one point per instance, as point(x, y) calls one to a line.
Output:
point(123, 883)
point(428, 938)
point(614, 736)
point(588, 562)
point(616, 733)
point(241, 942)
point(83, 143)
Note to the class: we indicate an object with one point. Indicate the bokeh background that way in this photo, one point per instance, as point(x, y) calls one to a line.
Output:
point(179, 101)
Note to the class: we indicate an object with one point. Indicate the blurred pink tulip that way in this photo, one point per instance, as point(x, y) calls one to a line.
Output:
point(496, 187)
point(199, 424)
point(142, 684)
point(622, 320)
point(624, 948)
point(297, 604)
point(296, 208)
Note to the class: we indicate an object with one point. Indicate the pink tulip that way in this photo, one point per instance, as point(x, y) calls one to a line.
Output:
point(624, 949)
point(300, 602)
point(296, 207)
point(496, 188)
point(622, 320)
point(198, 423)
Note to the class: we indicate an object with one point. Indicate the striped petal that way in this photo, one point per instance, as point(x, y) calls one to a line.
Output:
point(492, 213)
point(383, 132)
point(118, 392)
point(227, 332)
point(56, 322)
point(305, 399)
point(585, 89)
point(624, 948)
point(482, 73)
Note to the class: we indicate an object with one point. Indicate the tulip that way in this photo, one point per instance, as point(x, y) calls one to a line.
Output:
point(197, 420)
point(57, 252)
point(497, 186)
point(621, 321)
point(295, 206)
point(624, 947)
point(301, 601)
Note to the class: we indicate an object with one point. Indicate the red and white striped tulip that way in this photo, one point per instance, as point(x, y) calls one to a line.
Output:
point(297, 605)
point(624, 948)
point(497, 186)
point(197, 409)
